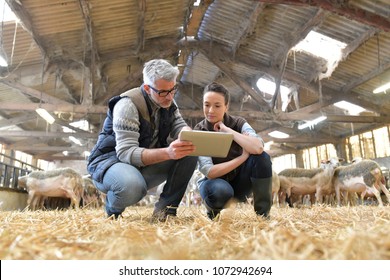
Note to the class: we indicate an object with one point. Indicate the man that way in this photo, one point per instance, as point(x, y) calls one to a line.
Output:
point(138, 147)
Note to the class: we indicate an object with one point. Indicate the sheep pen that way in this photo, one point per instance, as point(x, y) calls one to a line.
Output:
point(306, 233)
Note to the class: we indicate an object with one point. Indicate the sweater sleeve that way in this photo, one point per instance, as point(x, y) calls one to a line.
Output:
point(205, 164)
point(126, 127)
point(247, 129)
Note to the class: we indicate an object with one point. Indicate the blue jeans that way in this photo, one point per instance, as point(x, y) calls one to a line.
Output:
point(125, 184)
point(217, 192)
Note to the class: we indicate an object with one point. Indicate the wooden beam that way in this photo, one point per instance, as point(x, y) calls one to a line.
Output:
point(60, 158)
point(294, 38)
point(79, 149)
point(247, 62)
point(342, 9)
point(191, 26)
point(25, 21)
point(27, 141)
point(196, 18)
point(279, 61)
point(94, 73)
point(54, 108)
point(154, 48)
point(44, 134)
point(306, 139)
point(123, 85)
point(17, 120)
point(293, 116)
point(66, 124)
point(223, 63)
point(44, 97)
point(248, 25)
point(363, 79)
point(141, 25)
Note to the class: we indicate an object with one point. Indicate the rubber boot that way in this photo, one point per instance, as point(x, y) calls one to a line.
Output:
point(111, 213)
point(262, 195)
point(212, 214)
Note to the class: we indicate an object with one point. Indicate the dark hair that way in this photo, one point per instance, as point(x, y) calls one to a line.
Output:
point(216, 87)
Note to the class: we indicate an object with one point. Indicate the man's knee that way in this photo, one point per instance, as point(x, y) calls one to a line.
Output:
point(189, 161)
point(131, 193)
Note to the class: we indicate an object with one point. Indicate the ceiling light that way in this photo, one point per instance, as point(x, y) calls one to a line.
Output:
point(312, 122)
point(350, 107)
point(278, 134)
point(45, 115)
point(382, 88)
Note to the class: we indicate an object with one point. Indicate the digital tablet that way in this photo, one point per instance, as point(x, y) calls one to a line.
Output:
point(208, 143)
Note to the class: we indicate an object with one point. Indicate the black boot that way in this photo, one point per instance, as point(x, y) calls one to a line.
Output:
point(162, 215)
point(212, 214)
point(262, 195)
point(111, 213)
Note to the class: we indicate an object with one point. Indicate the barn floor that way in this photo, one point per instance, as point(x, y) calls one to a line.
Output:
point(316, 233)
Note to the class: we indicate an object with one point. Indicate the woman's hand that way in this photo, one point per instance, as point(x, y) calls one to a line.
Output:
point(221, 127)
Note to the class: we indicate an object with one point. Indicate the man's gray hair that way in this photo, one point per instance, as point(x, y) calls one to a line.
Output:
point(158, 69)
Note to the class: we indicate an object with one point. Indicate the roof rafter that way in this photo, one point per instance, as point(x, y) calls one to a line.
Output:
point(25, 21)
point(341, 8)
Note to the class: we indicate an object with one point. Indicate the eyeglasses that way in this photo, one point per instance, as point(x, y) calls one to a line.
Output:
point(163, 93)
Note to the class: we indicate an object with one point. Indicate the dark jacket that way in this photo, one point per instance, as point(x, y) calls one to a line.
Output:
point(103, 155)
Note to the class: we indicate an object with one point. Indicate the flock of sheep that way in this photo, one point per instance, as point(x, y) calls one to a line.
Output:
point(331, 183)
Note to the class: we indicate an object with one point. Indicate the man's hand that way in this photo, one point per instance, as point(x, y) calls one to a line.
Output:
point(179, 149)
point(186, 128)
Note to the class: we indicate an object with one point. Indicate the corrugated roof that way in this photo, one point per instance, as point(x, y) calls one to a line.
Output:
point(78, 54)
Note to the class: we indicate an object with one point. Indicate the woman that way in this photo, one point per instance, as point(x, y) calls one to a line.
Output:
point(247, 169)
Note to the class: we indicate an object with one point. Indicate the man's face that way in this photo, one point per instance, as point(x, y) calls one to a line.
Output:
point(163, 92)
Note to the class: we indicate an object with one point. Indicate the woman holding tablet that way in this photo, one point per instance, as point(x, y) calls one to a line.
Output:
point(247, 168)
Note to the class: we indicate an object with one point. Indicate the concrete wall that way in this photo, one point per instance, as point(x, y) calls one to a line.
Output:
point(12, 200)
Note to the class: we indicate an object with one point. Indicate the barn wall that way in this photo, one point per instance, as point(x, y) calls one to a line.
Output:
point(12, 200)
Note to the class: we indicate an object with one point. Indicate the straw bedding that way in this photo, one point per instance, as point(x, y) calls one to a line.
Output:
point(312, 233)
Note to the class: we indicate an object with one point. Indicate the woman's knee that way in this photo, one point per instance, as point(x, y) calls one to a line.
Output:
point(262, 165)
point(218, 189)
